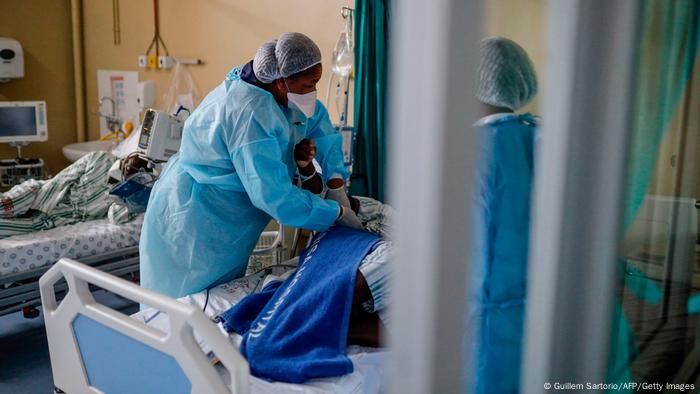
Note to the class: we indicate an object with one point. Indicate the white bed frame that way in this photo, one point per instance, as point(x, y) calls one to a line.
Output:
point(69, 372)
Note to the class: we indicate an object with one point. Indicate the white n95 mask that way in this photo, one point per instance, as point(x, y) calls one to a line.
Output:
point(305, 102)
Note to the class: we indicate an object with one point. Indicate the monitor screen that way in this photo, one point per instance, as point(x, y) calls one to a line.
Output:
point(18, 121)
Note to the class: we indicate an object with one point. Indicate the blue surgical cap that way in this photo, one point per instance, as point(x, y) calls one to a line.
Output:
point(295, 53)
point(506, 75)
point(265, 63)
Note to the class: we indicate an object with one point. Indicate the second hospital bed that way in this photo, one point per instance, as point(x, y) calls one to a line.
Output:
point(24, 258)
point(111, 248)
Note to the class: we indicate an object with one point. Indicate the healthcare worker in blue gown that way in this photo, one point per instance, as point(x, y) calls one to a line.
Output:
point(506, 82)
point(235, 168)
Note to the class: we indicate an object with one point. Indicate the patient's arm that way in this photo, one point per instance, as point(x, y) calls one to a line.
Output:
point(304, 153)
point(313, 184)
point(354, 204)
point(364, 330)
point(364, 326)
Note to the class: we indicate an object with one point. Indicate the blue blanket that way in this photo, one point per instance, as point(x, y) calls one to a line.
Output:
point(297, 330)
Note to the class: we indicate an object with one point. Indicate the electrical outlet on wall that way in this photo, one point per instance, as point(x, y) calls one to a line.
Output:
point(143, 61)
point(165, 62)
point(152, 61)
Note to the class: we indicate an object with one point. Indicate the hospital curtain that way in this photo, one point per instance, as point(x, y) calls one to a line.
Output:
point(668, 45)
point(372, 23)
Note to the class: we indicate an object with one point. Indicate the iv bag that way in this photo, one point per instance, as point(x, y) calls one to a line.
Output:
point(183, 91)
point(343, 55)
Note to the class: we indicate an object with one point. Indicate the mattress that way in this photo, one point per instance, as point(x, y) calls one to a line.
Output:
point(368, 363)
point(25, 252)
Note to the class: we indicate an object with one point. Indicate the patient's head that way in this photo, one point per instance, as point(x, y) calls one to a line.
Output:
point(507, 79)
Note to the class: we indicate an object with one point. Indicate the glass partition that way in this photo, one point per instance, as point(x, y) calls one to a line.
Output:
point(655, 321)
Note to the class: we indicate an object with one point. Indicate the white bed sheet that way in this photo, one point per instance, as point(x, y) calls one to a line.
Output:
point(368, 363)
point(24, 252)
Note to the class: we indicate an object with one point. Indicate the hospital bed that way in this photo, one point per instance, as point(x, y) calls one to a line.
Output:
point(24, 258)
point(111, 248)
point(174, 346)
point(661, 286)
point(660, 242)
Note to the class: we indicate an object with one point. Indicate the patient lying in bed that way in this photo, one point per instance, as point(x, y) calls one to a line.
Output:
point(76, 194)
point(367, 375)
point(367, 313)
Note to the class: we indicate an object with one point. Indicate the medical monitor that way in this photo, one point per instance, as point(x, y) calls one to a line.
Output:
point(23, 121)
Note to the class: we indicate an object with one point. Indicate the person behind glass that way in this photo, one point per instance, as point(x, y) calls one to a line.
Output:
point(501, 211)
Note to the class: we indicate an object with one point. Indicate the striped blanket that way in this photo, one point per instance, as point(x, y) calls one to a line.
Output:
point(76, 194)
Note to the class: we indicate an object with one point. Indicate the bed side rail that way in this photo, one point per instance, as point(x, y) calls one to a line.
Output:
point(179, 344)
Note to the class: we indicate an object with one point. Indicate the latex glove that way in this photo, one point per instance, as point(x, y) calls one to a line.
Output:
point(340, 196)
point(348, 218)
point(304, 152)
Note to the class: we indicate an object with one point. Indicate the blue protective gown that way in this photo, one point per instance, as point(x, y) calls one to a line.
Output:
point(499, 276)
point(232, 175)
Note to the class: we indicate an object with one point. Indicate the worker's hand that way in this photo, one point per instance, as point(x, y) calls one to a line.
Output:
point(304, 152)
point(348, 218)
point(339, 195)
point(336, 183)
